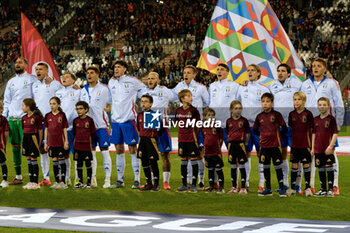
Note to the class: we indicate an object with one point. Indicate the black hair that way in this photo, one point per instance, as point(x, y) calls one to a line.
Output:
point(150, 98)
point(43, 64)
point(122, 63)
point(268, 95)
point(289, 70)
point(82, 103)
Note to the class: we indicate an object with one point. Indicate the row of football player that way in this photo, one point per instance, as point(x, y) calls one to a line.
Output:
point(267, 125)
point(123, 90)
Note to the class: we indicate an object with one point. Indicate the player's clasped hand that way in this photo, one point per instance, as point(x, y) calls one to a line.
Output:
point(329, 151)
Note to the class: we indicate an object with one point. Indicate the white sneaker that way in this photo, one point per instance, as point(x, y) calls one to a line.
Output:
point(107, 184)
point(94, 182)
point(4, 184)
point(308, 192)
point(27, 185)
point(61, 185)
point(54, 186)
point(34, 186)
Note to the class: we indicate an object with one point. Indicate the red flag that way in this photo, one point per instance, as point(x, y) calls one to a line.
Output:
point(35, 50)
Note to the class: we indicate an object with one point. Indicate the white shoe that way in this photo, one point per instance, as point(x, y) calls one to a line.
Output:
point(107, 184)
point(27, 185)
point(54, 186)
point(4, 184)
point(94, 182)
point(61, 185)
point(34, 186)
point(308, 192)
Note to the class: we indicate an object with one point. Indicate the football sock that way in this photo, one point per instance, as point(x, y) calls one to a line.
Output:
point(194, 164)
point(120, 166)
point(148, 175)
point(279, 174)
point(220, 177)
point(312, 172)
point(107, 164)
point(336, 170)
point(189, 173)
point(88, 165)
point(45, 165)
point(166, 176)
point(237, 175)
point(4, 171)
point(76, 170)
point(307, 177)
point(299, 175)
point(94, 163)
point(17, 160)
point(80, 165)
point(68, 166)
point(234, 175)
point(55, 171)
point(322, 174)
point(62, 164)
point(247, 166)
point(267, 176)
point(243, 175)
point(135, 162)
point(261, 175)
point(30, 170)
point(155, 170)
point(201, 170)
point(215, 178)
point(293, 177)
point(184, 172)
point(285, 170)
point(330, 174)
point(35, 168)
point(211, 172)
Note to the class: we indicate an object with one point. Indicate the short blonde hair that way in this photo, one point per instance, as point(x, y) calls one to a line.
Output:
point(257, 68)
point(154, 73)
point(182, 94)
point(301, 95)
point(191, 67)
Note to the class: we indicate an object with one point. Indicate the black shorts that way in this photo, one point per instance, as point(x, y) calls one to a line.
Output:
point(147, 149)
point(188, 150)
point(30, 145)
point(82, 155)
point(301, 155)
point(322, 160)
point(268, 154)
point(57, 152)
point(237, 152)
point(214, 161)
point(2, 156)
